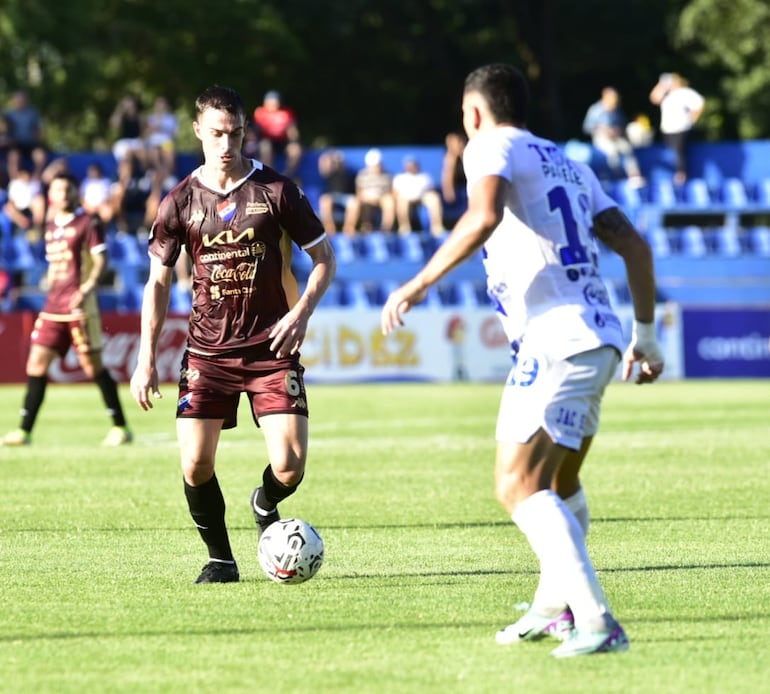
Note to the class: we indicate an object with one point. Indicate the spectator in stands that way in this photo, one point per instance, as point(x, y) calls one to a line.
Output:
point(453, 178)
point(161, 126)
point(23, 188)
point(5, 146)
point(278, 133)
point(76, 252)
point(26, 131)
point(339, 192)
point(374, 192)
point(639, 131)
point(127, 123)
point(412, 188)
point(680, 108)
point(96, 193)
point(606, 123)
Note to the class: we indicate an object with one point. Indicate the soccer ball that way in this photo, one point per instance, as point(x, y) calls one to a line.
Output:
point(290, 551)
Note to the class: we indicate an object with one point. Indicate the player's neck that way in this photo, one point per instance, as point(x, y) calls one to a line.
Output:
point(224, 179)
point(63, 217)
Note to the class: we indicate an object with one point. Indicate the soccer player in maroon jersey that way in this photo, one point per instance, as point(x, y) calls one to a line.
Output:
point(76, 254)
point(237, 219)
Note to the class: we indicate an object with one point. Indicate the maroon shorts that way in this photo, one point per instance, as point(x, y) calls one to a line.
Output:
point(84, 334)
point(210, 387)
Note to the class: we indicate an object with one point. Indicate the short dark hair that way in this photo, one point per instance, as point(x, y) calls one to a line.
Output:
point(505, 90)
point(220, 99)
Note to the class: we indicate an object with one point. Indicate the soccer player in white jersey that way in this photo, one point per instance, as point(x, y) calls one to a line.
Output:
point(536, 215)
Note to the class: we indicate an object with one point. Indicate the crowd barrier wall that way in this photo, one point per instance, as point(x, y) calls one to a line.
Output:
point(342, 346)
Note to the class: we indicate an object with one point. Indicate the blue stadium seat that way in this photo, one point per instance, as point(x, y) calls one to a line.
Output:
point(343, 248)
point(728, 242)
point(6, 226)
point(30, 300)
point(628, 197)
point(660, 242)
point(408, 247)
point(462, 294)
point(760, 241)
point(697, 193)
point(734, 193)
point(693, 242)
point(181, 300)
point(126, 259)
point(353, 294)
point(374, 247)
point(763, 192)
point(17, 254)
point(331, 297)
point(663, 193)
point(109, 299)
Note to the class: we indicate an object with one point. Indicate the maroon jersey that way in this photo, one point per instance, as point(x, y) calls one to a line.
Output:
point(240, 243)
point(68, 250)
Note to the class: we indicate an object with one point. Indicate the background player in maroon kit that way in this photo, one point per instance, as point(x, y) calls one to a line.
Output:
point(76, 254)
point(238, 220)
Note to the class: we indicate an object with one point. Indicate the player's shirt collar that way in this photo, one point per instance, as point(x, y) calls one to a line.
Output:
point(198, 174)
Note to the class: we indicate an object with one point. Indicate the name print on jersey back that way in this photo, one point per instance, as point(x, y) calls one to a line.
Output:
point(555, 164)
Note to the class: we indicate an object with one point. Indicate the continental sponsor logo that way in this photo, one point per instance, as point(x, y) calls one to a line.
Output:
point(255, 251)
point(196, 217)
point(257, 208)
point(226, 237)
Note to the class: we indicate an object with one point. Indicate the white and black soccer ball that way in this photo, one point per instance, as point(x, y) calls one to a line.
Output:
point(291, 551)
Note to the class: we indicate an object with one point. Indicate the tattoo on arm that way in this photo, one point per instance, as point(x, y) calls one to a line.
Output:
point(612, 227)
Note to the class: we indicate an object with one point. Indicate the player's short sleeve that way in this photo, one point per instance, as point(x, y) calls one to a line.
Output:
point(167, 232)
point(96, 236)
point(600, 200)
point(487, 155)
point(298, 218)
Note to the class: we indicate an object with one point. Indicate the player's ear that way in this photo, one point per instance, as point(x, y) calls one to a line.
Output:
point(196, 129)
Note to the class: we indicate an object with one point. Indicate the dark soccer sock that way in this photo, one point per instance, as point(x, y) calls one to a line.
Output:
point(109, 390)
point(272, 491)
point(33, 400)
point(207, 508)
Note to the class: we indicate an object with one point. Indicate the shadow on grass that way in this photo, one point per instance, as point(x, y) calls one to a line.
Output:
point(357, 626)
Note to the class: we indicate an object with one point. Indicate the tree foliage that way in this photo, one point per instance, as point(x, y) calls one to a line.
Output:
point(379, 71)
point(729, 40)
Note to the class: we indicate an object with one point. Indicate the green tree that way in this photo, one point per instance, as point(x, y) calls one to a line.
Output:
point(729, 40)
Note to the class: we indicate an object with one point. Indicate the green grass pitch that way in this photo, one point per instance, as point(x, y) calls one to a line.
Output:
point(98, 554)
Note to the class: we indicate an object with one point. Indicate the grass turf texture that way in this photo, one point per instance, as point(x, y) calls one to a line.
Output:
point(98, 554)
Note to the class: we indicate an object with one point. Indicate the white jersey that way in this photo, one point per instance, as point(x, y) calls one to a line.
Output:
point(542, 260)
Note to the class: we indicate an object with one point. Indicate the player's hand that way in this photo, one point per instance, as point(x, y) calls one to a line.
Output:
point(644, 350)
point(288, 334)
point(143, 383)
point(400, 302)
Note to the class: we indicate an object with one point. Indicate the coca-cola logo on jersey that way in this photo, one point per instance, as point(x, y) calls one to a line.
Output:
point(121, 349)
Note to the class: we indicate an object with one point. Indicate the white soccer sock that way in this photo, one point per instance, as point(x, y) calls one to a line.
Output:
point(578, 504)
point(556, 538)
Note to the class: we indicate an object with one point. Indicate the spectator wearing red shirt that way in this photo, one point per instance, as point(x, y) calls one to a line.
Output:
point(277, 133)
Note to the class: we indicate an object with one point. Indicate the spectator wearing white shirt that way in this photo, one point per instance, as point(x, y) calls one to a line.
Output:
point(680, 108)
point(413, 187)
point(23, 189)
point(96, 192)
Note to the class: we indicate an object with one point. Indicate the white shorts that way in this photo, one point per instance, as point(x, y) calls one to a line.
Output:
point(561, 396)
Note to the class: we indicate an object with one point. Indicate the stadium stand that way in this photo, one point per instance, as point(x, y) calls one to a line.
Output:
point(711, 238)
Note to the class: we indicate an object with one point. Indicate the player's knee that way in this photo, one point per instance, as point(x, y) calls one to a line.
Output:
point(197, 471)
point(289, 475)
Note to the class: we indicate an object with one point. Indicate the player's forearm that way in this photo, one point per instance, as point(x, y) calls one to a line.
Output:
point(640, 274)
point(154, 311)
point(318, 281)
point(467, 238)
